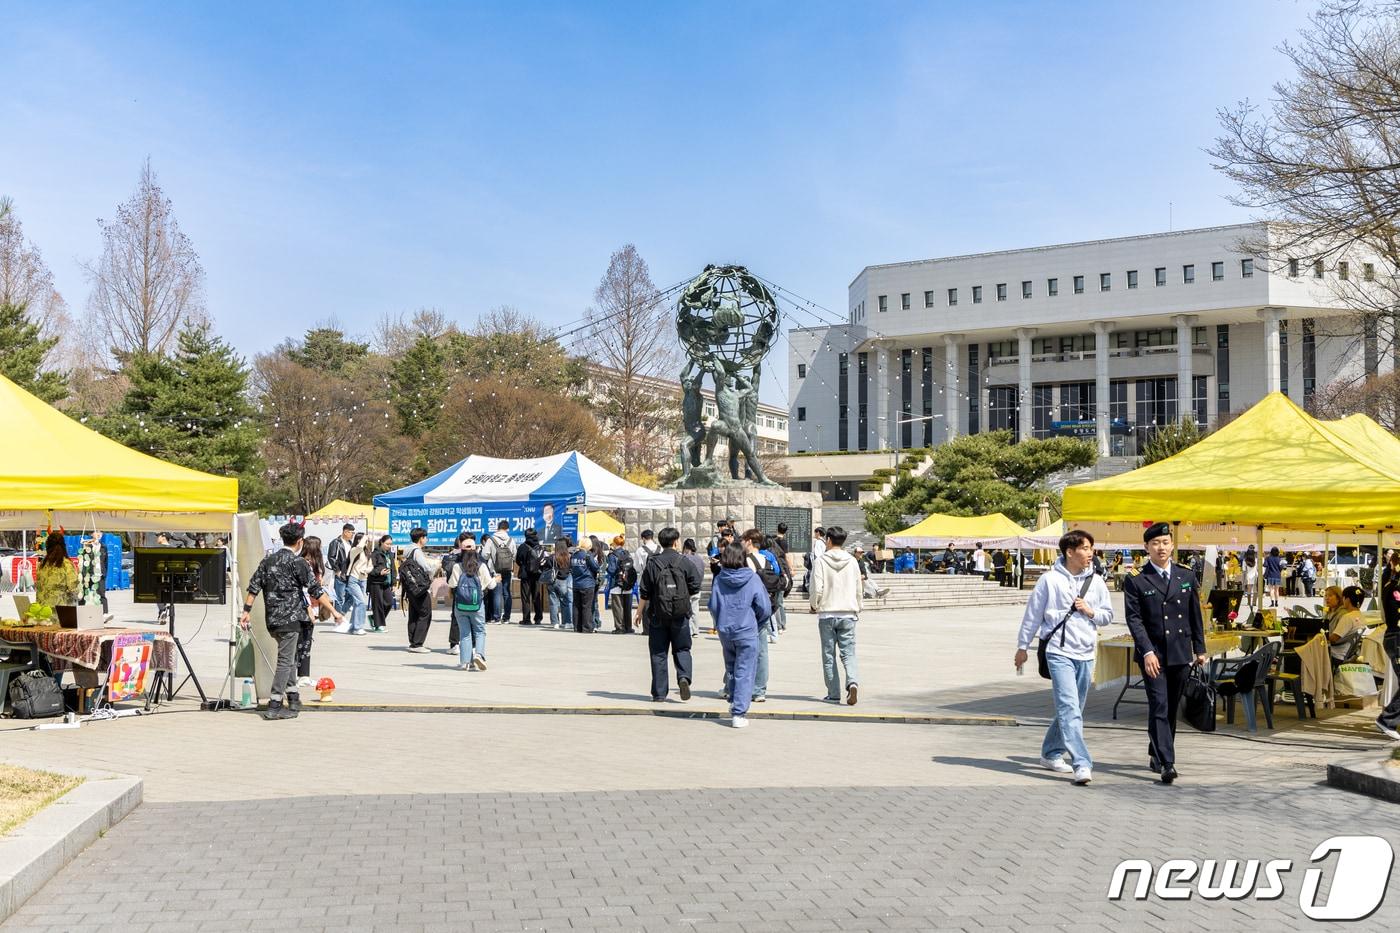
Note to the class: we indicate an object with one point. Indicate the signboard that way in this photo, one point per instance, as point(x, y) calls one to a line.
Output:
point(1088, 428)
point(131, 659)
point(798, 520)
point(444, 522)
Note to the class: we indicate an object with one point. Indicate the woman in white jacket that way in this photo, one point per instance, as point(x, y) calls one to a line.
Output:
point(470, 606)
point(356, 584)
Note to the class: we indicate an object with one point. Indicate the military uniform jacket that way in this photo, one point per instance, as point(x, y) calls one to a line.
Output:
point(1165, 615)
point(285, 580)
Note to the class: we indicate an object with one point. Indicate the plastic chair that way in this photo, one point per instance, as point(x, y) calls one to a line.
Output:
point(1250, 679)
point(9, 666)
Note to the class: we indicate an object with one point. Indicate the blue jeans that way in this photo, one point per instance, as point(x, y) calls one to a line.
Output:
point(779, 620)
point(359, 603)
point(561, 602)
point(838, 633)
point(760, 671)
point(740, 657)
point(498, 609)
point(1069, 681)
point(472, 626)
point(341, 602)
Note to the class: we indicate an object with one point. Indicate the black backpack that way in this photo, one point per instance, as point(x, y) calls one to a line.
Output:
point(414, 578)
point(539, 562)
point(34, 695)
point(672, 596)
point(626, 574)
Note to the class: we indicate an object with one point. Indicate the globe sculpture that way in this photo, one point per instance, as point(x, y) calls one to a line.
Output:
point(726, 320)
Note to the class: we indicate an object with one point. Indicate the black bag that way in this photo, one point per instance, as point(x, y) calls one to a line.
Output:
point(1198, 699)
point(625, 577)
point(35, 695)
point(672, 594)
point(1044, 642)
point(415, 579)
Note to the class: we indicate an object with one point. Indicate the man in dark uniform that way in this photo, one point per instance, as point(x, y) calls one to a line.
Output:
point(1163, 610)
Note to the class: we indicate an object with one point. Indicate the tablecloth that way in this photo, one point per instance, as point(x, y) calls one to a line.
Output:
point(83, 647)
point(1114, 658)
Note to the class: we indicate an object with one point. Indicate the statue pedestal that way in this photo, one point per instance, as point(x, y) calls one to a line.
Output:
point(698, 511)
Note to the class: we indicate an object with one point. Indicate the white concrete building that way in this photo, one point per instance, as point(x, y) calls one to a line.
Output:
point(1105, 339)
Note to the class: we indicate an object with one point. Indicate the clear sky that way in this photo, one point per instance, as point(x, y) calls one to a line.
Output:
point(343, 160)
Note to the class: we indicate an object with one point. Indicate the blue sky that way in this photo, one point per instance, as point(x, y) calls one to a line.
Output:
point(342, 160)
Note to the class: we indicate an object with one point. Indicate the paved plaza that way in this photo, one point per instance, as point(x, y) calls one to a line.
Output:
point(447, 821)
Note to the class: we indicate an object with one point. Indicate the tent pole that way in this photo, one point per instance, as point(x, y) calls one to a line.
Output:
point(1326, 554)
point(1259, 573)
point(1376, 572)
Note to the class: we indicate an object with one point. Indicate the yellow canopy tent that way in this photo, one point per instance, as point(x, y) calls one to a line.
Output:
point(374, 519)
point(601, 524)
point(962, 530)
point(62, 472)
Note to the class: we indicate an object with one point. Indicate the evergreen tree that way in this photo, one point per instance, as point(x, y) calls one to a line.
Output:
point(23, 349)
point(327, 350)
point(191, 408)
point(419, 380)
point(1171, 440)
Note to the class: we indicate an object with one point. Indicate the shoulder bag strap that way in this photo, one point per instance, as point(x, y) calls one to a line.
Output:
point(1088, 582)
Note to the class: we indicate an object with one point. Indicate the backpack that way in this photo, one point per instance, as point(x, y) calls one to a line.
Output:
point(625, 576)
point(769, 572)
point(672, 596)
point(544, 561)
point(500, 556)
point(467, 596)
point(414, 578)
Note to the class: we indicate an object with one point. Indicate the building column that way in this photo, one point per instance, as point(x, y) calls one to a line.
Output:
point(1270, 317)
point(878, 408)
point(1103, 392)
point(952, 374)
point(1185, 399)
point(1025, 418)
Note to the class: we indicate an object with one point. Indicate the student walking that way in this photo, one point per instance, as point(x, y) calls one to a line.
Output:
point(561, 588)
point(383, 574)
point(836, 597)
point(499, 555)
point(1068, 606)
point(739, 604)
point(416, 576)
point(531, 558)
point(666, 588)
point(690, 554)
point(356, 575)
point(469, 587)
point(338, 561)
point(583, 569)
point(311, 553)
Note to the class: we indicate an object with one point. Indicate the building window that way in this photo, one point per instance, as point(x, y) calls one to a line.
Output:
point(1283, 357)
point(1079, 284)
point(1343, 270)
point(1042, 405)
point(1370, 335)
point(927, 383)
point(1052, 287)
point(843, 402)
point(1002, 350)
point(1293, 268)
point(1002, 410)
point(1132, 278)
point(883, 303)
point(1025, 289)
point(862, 401)
point(1188, 274)
point(1246, 268)
point(1118, 401)
point(952, 297)
point(801, 413)
point(1222, 368)
point(1156, 405)
point(1105, 281)
point(974, 383)
point(904, 302)
point(1001, 291)
point(906, 399)
point(1309, 361)
point(1317, 268)
point(1217, 271)
point(928, 299)
point(1368, 271)
point(977, 294)
point(1160, 273)
point(801, 370)
point(1077, 401)
point(1198, 399)
point(1198, 336)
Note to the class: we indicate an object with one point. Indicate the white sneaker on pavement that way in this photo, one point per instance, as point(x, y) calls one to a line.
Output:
point(1083, 776)
point(1389, 732)
point(1058, 765)
point(342, 629)
point(739, 722)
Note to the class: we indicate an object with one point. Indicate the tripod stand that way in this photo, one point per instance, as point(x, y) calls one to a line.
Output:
point(167, 678)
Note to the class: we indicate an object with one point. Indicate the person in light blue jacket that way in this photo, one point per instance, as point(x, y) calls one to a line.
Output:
point(738, 604)
point(1068, 606)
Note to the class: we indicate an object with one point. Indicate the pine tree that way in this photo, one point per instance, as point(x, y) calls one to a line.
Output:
point(327, 350)
point(1171, 440)
point(23, 349)
point(419, 379)
point(191, 408)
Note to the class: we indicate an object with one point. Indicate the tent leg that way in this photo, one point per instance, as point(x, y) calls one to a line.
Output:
point(1259, 573)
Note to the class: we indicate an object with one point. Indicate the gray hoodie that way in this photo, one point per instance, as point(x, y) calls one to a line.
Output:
point(1053, 597)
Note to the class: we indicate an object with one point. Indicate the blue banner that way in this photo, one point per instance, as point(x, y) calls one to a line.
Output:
point(444, 522)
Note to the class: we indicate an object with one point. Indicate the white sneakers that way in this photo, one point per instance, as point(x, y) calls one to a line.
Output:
point(478, 662)
point(739, 722)
point(342, 629)
point(1058, 765)
point(1388, 732)
point(1082, 776)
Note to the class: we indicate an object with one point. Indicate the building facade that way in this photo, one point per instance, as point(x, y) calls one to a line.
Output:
point(1108, 340)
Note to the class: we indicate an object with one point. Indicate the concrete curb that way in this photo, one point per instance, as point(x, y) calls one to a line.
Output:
point(669, 712)
point(39, 848)
point(1366, 774)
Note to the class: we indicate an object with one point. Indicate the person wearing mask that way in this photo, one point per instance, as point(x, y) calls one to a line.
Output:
point(691, 554)
point(1273, 575)
point(739, 604)
point(356, 575)
point(499, 555)
point(311, 553)
point(382, 578)
point(285, 581)
point(1390, 613)
point(665, 591)
point(561, 588)
point(583, 570)
point(837, 598)
point(1163, 610)
point(338, 561)
point(621, 577)
point(56, 580)
point(529, 558)
point(467, 589)
point(1067, 608)
point(417, 585)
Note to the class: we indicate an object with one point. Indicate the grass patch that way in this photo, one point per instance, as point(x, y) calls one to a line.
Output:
point(24, 793)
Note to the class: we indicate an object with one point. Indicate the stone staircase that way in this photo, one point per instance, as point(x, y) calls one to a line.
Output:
point(1104, 467)
point(939, 591)
point(849, 516)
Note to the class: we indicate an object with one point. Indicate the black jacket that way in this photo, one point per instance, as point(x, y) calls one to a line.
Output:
point(1165, 616)
point(338, 556)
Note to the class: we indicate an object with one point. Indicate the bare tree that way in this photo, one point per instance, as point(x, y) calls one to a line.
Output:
point(148, 281)
point(1377, 395)
point(26, 281)
point(395, 333)
point(1323, 162)
point(631, 335)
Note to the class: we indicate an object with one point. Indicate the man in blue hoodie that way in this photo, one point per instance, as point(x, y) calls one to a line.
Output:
point(1068, 606)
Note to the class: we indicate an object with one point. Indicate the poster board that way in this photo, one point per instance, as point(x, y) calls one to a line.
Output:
point(445, 521)
point(131, 661)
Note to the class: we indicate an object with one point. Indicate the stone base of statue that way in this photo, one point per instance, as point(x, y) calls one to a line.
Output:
point(699, 511)
point(714, 475)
